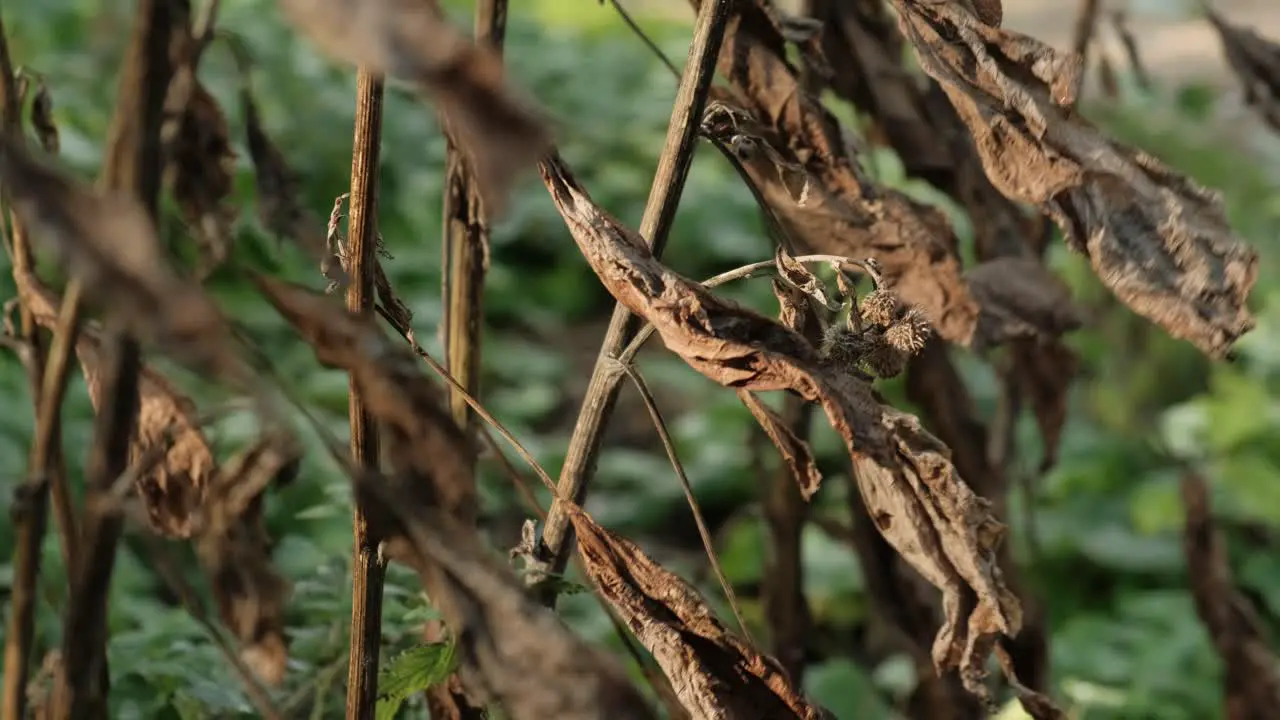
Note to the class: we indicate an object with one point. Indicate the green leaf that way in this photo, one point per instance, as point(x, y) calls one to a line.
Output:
point(411, 672)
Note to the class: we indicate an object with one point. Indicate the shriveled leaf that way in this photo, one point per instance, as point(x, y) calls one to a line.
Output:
point(235, 552)
point(500, 132)
point(174, 486)
point(1037, 705)
point(795, 452)
point(1020, 298)
point(796, 275)
point(1256, 62)
point(42, 119)
point(280, 206)
point(392, 386)
point(714, 673)
point(1043, 372)
point(844, 212)
point(1160, 242)
point(1251, 670)
point(792, 305)
point(109, 242)
point(412, 672)
point(913, 493)
point(200, 170)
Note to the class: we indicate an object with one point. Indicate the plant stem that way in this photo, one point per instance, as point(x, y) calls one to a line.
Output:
point(368, 570)
point(659, 214)
point(132, 164)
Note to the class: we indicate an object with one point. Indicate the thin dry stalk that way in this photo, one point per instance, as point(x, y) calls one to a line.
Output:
point(1086, 27)
point(466, 243)
point(132, 165)
point(659, 213)
point(32, 518)
point(708, 545)
point(368, 569)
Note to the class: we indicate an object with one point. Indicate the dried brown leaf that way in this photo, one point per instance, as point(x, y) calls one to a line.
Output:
point(42, 119)
point(420, 439)
point(1251, 670)
point(795, 274)
point(913, 493)
point(173, 488)
point(280, 206)
point(1160, 242)
point(795, 452)
point(844, 212)
point(713, 672)
point(1256, 62)
point(108, 241)
point(500, 132)
point(792, 305)
point(1037, 705)
point(201, 168)
point(235, 551)
point(1043, 372)
point(1020, 298)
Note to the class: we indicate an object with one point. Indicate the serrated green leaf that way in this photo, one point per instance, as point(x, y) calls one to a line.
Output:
point(413, 671)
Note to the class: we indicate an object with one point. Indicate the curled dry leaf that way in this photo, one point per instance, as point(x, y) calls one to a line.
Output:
point(844, 212)
point(200, 169)
point(1251, 671)
point(511, 650)
point(714, 673)
point(173, 488)
point(235, 551)
point(913, 493)
point(42, 119)
point(795, 452)
point(1256, 62)
point(1160, 242)
point(110, 243)
point(796, 275)
point(1020, 298)
point(280, 206)
point(500, 132)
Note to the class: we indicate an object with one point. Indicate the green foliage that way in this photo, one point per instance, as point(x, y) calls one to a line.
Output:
point(412, 672)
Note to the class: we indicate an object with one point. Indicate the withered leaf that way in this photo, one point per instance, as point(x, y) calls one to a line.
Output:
point(913, 493)
point(1160, 242)
point(1043, 372)
point(1256, 62)
point(1251, 670)
point(844, 212)
point(235, 551)
point(792, 310)
point(110, 243)
point(795, 452)
point(1020, 298)
point(200, 169)
point(392, 386)
point(795, 274)
point(500, 132)
point(714, 673)
point(42, 119)
point(280, 206)
point(173, 488)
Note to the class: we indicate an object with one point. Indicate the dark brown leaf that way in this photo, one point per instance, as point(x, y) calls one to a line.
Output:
point(795, 452)
point(201, 167)
point(173, 488)
point(1020, 298)
point(1256, 62)
point(500, 132)
point(235, 551)
point(280, 206)
point(713, 672)
point(1251, 670)
point(917, 499)
point(843, 212)
point(109, 242)
point(1160, 242)
point(42, 119)
point(1043, 372)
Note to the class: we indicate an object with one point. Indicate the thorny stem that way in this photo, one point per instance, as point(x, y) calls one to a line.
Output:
point(368, 569)
point(664, 196)
point(707, 543)
point(132, 164)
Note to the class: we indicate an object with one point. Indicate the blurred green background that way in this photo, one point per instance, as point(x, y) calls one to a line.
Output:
point(1106, 557)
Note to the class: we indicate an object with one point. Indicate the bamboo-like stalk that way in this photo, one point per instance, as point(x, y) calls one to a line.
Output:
point(368, 570)
point(655, 225)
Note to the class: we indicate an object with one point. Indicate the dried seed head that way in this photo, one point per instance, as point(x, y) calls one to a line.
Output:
point(879, 308)
point(909, 332)
point(884, 360)
point(843, 347)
